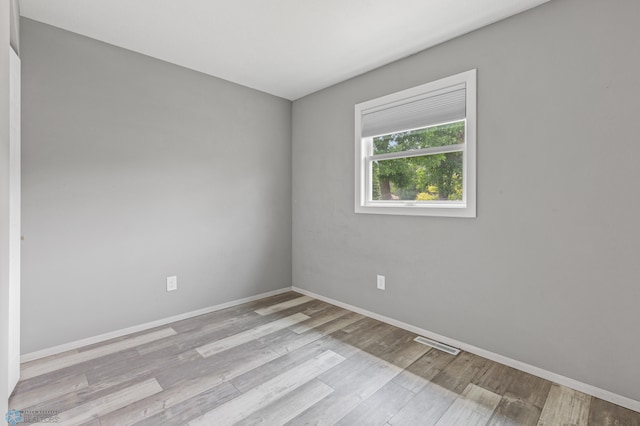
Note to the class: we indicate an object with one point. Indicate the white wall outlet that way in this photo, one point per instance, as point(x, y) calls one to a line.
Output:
point(172, 283)
point(381, 285)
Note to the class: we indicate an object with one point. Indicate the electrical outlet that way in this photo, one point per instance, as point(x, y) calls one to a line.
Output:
point(381, 284)
point(172, 283)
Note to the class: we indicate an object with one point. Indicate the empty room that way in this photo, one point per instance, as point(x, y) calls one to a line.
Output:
point(280, 212)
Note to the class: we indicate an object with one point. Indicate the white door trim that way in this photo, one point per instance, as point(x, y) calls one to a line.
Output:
point(14, 221)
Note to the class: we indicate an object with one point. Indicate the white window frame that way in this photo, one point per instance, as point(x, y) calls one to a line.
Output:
point(364, 156)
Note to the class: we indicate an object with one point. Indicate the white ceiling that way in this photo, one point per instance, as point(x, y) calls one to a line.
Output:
point(288, 48)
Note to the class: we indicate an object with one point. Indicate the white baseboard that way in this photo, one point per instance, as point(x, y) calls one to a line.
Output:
point(531, 369)
point(142, 327)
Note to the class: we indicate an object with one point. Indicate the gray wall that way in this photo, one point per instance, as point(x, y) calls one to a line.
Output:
point(134, 170)
point(548, 272)
point(4, 204)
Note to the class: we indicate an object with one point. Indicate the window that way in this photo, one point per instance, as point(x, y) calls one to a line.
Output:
point(416, 150)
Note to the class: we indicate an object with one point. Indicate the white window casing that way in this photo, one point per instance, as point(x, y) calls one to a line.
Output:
point(448, 100)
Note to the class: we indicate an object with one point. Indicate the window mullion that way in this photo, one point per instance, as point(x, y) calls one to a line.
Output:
point(418, 152)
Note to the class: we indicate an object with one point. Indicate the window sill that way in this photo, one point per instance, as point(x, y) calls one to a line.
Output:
point(413, 209)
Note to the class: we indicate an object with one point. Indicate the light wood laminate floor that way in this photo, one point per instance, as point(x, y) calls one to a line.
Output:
point(290, 359)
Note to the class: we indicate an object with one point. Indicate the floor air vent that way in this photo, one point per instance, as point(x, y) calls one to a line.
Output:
point(445, 348)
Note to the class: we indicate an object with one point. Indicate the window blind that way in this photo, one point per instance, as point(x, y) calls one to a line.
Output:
point(441, 106)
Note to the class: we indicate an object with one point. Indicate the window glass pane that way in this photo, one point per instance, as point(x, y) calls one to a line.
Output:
point(436, 177)
point(447, 134)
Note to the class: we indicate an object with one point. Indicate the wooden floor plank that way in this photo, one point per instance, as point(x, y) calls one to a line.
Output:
point(84, 395)
point(246, 336)
point(473, 408)
point(379, 407)
point(417, 375)
point(108, 403)
point(497, 378)
point(205, 332)
point(363, 333)
point(464, 369)
point(73, 383)
point(46, 365)
point(362, 329)
point(286, 362)
point(426, 407)
point(183, 412)
point(289, 406)
point(603, 413)
point(217, 317)
point(435, 398)
point(515, 411)
point(565, 406)
point(286, 343)
point(190, 395)
point(529, 388)
point(263, 395)
point(137, 366)
point(284, 305)
point(522, 401)
point(330, 314)
point(190, 388)
point(224, 364)
point(397, 347)
point(355, 380)
point(360, 366)
point(244, 309)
